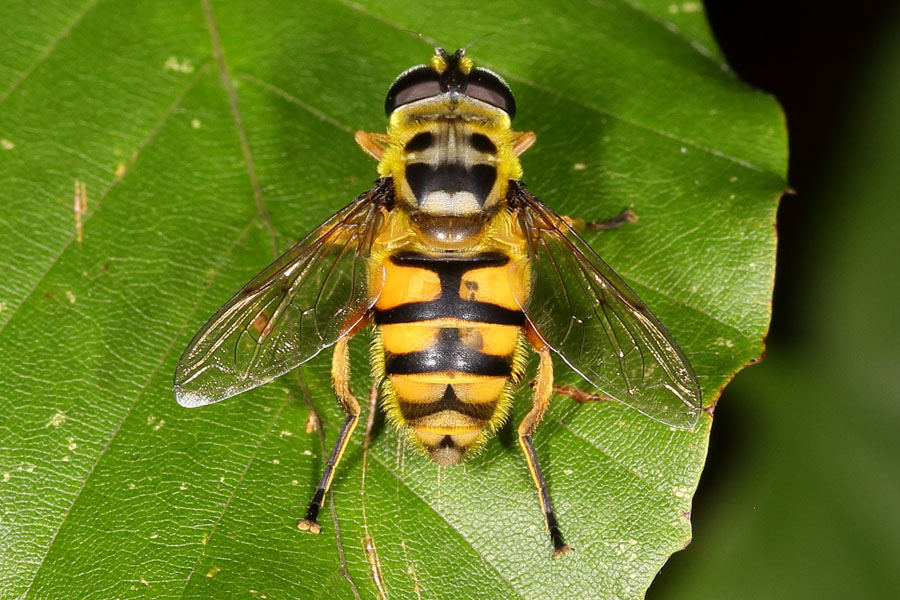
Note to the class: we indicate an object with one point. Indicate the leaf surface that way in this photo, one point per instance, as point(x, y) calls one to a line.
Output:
point(209, 135)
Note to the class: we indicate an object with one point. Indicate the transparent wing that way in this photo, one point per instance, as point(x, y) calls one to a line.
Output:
point(300, 304)
point(597, 324)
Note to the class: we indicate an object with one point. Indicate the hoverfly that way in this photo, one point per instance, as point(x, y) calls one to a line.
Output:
point(462, 272)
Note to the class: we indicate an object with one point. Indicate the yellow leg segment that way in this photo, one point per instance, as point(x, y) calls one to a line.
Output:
point(340, 380)
point(543, 389)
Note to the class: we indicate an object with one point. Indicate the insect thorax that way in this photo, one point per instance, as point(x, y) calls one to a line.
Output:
point(451, 158)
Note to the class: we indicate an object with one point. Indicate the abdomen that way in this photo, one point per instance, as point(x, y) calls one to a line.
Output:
point(449, 345)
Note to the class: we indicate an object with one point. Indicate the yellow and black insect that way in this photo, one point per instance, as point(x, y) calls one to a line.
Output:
point(462, 272)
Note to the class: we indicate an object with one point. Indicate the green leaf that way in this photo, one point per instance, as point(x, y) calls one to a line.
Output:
point(109, 489)
point(808, 487)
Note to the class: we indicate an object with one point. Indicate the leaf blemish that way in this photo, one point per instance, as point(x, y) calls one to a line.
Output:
point(6, 144)
point(79, 207)
point(312, 423)
point(56, 420)
point(179, 66)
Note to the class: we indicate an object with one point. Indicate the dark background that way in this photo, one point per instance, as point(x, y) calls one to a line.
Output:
point(801, 493)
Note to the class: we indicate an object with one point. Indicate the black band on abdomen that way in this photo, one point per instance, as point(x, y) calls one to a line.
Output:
point(437, 359)
point(453, 308)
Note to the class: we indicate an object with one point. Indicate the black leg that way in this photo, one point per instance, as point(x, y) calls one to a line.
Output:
point(559, 546)
point(311, 522)
point(340, 378)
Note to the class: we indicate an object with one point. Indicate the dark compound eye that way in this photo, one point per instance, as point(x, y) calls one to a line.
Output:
point(413, 84)
point(487, 86)
point(422, 82)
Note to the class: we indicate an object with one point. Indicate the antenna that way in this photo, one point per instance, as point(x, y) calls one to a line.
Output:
point(421, 37)
point(478, 39)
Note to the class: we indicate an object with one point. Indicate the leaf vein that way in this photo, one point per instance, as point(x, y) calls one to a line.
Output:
point(99, 203)
point(294, 100)
point(449, 524)
point(231, 93)
point(234, 490)
point(131, 408)
point(695, 44)
point(45, 53)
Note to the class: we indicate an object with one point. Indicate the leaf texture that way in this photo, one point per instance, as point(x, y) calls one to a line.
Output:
point(207, 135)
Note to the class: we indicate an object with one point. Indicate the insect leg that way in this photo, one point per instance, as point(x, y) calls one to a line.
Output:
point(623, 218)
point(522, 141)
point(542, 392)
point(579, 395)
point(340, 380)
point(373, 143)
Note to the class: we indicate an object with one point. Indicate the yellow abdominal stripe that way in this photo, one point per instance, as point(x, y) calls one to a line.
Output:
point(495, 340)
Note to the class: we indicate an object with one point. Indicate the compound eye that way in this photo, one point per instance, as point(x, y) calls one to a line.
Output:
point(487, 86)
point(414, 84)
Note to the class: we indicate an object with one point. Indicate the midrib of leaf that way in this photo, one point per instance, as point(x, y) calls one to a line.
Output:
point(45, 53)
point(98, 204)
point(437, 512)
point(263, 214)
point(588, 105)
